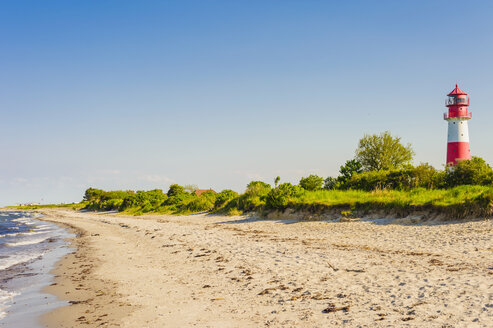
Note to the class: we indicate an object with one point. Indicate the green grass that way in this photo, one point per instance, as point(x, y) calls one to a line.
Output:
point(75, 206)
point(415, 197)
point(458, 202)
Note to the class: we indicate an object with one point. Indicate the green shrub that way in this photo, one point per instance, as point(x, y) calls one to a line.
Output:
point(175, 190)
point(224, 197)
point(400, 179)
point(350, 168)
point(111, 204)
point(93, 194)
point(312, 182)
point(250, 202)
point(258, 188)
point(197, 204)
point(370, 180)
point(129, 201)
point(254, 196)
point(280, 197)
point(469, 172)
point(426, 176)
point(177, 199)
point(330, 183)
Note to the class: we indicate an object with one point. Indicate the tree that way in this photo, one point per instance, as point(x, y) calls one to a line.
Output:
point(276, 181)
point(312, 182)
point(350, 168)
point(383, 152)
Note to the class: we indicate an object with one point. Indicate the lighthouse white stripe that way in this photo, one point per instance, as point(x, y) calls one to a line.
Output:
point(458, 131)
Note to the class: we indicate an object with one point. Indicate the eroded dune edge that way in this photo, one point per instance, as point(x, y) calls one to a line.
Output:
point(217, 271)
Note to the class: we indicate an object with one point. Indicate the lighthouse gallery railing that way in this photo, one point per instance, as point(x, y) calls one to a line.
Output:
point(446, 116)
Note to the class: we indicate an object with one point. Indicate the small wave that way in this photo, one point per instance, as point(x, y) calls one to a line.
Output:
point(35, 232)
point(26, 242)
point(22, 220)
point(43, 227)
point(18, 259)
point(5, 297)
point(30, 233)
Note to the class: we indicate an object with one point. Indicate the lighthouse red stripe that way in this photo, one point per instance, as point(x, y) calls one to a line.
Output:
point(457, 151)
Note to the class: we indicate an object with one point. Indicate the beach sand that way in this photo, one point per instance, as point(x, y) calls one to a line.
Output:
point(216, 271)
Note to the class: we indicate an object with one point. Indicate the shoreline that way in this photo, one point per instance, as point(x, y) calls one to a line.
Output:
point(26, 280)
point(71, 273)
point(216, 271)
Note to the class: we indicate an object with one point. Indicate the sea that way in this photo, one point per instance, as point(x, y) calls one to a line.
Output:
point(29, 249)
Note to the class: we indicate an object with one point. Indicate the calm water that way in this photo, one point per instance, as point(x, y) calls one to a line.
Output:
point(29, 249)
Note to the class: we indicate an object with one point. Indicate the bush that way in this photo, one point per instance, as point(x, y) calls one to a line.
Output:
point(330, 183)
point(469, 172)
point(258, 188)
point(384, 179)
point(426, 176)
point(178, 199)
point(128, 202)
point(198, 204)
point(224, 197)
point(422, 176)
point(93, 194)
point(368, 181)
point(254, 196)
point(155, 197)
point(312, 182)
point(248, 202)
point(111, 204)
point(279, 198)
point(97, 199)
point(349, 169)
point(175, 190)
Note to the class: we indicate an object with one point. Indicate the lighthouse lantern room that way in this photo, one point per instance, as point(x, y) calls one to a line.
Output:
point(458, 132)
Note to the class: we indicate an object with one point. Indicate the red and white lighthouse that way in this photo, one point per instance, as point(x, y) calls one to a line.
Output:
point(458, 132)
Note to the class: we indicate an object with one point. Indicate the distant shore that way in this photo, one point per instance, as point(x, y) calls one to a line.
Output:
point(213, 271)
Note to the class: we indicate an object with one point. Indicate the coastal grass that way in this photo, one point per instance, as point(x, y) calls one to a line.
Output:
point(458, 202)
point(74, 206)
point(414, 197)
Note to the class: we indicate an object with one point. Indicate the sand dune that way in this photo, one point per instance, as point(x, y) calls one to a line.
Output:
point(214, 271)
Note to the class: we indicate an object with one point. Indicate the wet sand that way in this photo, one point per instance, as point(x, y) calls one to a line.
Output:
point(27, 255)
point(215, 271)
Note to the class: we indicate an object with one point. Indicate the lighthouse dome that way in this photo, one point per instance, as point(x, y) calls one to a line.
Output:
point(457, 92)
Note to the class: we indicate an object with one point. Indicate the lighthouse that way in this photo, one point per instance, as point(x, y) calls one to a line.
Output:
point(458, 132)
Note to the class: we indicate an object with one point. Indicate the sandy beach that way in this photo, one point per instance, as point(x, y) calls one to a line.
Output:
point(216, 271)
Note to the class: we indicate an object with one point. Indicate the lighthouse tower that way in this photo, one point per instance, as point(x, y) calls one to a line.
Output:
point(458, 133)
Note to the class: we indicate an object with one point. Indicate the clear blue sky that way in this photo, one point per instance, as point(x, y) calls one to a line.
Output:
point(141, 94)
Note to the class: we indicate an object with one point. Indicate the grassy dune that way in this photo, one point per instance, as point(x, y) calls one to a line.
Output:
point(460, 201)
